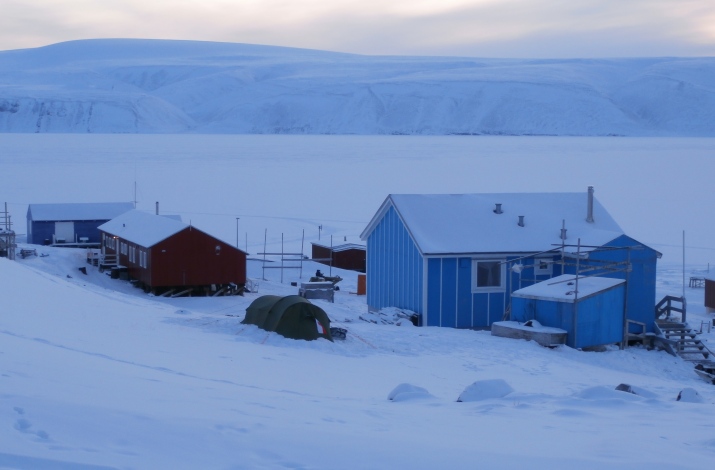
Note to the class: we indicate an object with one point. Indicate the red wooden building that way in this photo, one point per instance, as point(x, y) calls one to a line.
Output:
point(347, 256)
point(165, 254)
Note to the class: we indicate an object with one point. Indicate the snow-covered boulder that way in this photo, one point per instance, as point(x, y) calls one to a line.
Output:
point(405, 392)
point(690, 395)
point(485, 390)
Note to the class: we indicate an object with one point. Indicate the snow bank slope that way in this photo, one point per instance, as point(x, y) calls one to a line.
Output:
point(184, 86)
point(96, 374)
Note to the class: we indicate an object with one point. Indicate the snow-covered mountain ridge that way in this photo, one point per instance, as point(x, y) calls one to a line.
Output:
point(151, 86)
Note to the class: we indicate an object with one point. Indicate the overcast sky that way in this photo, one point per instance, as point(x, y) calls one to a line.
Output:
point(484, 28)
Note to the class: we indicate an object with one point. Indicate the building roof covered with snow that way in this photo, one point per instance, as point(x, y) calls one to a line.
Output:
point(77, 211)
point(563, 288)
point(490, 223)
point(143, 228)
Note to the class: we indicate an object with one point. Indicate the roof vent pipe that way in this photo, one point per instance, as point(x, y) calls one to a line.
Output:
point(157, 207)
point(521, 221)
point(497, 209)
point(589, 213)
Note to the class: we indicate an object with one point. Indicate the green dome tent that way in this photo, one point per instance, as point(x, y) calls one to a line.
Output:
point(291, 316)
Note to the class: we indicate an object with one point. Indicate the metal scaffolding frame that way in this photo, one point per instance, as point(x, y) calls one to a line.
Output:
point(290, 257)
point(7, 236)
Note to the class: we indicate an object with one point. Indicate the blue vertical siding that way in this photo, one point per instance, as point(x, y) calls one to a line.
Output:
point(39, 231)
point(394, 266)
point(449, 292)
point(451, 302)
point(434, 292)
point(496, 307)
point(641, 281)
point(88, 228)
point(640, 305)
point(464, 293)
point(600, 318)
point(481, 310)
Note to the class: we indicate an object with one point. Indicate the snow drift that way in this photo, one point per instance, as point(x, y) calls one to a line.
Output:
point(152, 86)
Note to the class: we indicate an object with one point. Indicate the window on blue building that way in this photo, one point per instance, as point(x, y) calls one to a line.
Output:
point(487, 275)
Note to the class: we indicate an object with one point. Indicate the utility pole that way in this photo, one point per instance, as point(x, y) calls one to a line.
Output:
point(237, 232)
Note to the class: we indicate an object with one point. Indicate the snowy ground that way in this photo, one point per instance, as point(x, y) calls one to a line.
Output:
point(96, 374)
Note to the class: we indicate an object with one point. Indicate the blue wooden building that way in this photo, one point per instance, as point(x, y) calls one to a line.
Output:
point(73, 223)
point(455, 259)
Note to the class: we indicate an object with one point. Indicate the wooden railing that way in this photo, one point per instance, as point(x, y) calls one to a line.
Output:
point(665, 308)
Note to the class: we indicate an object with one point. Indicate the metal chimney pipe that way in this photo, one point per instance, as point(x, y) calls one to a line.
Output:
point(157, 207)
point(497, 209)
point(521, 221)
point(589, 213)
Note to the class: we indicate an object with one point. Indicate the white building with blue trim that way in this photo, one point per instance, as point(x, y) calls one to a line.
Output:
point(455, 259)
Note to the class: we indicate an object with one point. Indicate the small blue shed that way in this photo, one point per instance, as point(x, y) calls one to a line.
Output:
point(455, 259)
point(591, 309)
point(72, 223)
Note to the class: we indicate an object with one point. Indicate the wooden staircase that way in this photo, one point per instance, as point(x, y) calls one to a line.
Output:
point(681, 340)
point(678, 339)
point(107, 261)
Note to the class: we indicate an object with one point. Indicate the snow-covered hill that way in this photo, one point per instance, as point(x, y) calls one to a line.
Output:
point(150, 86)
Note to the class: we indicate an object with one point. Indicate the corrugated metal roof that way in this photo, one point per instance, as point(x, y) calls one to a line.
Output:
point(143, 228)
point(467, 223)
point(77, 211)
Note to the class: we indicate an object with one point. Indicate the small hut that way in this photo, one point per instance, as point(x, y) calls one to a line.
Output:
point(590, 309)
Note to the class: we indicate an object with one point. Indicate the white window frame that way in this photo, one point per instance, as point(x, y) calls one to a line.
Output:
point(502, 276)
